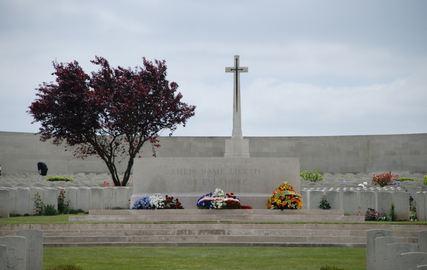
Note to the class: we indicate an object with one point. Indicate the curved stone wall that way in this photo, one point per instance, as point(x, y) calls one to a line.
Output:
point(19, 152)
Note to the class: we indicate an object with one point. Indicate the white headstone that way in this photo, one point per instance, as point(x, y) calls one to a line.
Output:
point(335, 199)
point(422, 241)
point(367, 200)
point(390, 260)
point(16, 251)
point(50, 196)
point(370, 246)
point(23, 202)
point(351, 202)
point(410, 260)
point(121, 197)
point(97, 198)
point(315, 198)
point(401, 205)
point(71, 196)
point(83, 198)
point(35, 248)
point(3, 257)
point(420, 198)
point(385, 199)
point(4, 203)
point(381, 250)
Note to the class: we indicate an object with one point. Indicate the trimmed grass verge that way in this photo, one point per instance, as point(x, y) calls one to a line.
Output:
point(63, 219)
point(132, 258)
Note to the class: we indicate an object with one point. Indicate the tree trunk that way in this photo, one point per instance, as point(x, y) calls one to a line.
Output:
point(128, 171)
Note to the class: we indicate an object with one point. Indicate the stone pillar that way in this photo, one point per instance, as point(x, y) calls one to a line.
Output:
point(34, 248)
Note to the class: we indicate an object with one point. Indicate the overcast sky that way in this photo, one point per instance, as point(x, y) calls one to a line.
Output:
point(315, 67)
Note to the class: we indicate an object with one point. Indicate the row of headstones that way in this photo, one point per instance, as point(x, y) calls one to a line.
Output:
point(385, 252)
point(23, 251)
point(357, 201)
point(20, 200)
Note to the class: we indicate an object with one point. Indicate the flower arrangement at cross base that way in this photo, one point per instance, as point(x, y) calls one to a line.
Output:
point(285, 197)
point(220, 200)
point(156, 201)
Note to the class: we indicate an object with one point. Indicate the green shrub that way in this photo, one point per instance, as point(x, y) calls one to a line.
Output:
point(392, 213)
point(407, 179)
point(63, 205)
point(324, 204)
point(327, 267)
point(66, 267)
point(312, 176)
point(425, 180)
point(50, 210)
point(58, 178)
point(412, 209)
point(38, 205)
point(78, 211)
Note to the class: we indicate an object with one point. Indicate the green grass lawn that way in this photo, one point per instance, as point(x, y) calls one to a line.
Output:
point(129, 258)
point(63, 219)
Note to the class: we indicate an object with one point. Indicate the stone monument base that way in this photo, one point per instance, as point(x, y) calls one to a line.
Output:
point(252, 179)
point(236, 147)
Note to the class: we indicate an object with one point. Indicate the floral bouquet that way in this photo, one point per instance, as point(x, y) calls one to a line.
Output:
point(156, 201)
point(218, 200)
point(285, 197)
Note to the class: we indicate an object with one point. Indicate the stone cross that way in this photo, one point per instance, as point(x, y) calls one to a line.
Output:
point(237, 122)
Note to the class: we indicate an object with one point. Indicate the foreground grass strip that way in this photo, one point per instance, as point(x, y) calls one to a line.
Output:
point(59, 219)
point(133, 258)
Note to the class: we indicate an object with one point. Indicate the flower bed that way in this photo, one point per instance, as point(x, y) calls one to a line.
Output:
point(219, 200)
point(156, 201)
point(285, 197)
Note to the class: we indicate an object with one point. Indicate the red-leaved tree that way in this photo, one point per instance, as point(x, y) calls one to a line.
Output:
point(111, 112)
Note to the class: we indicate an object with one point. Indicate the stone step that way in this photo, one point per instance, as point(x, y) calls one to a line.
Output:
point(212, 233)
point(224, 215)
point(211, 226)
point(204, 239)
point(222, 218)
point(260, 232)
